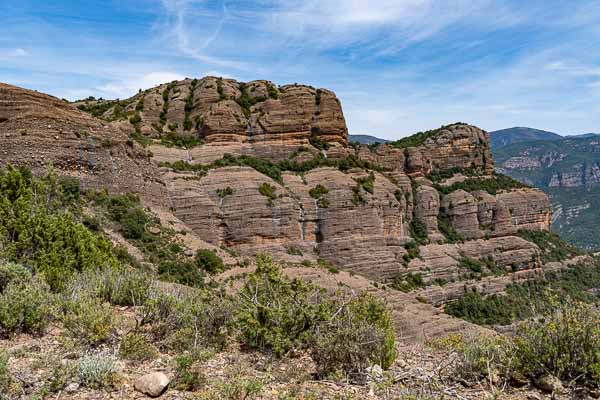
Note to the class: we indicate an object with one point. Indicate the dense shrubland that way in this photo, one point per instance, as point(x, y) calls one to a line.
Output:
point(525, 300)
point(563, 343)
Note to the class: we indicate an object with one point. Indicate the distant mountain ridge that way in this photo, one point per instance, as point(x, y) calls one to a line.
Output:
point(567, 169)
point(505, 137)
point(366, 139)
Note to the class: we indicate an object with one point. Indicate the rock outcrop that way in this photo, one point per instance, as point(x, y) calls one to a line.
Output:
point(224, 112)
point(39, 131)
point(355, 207)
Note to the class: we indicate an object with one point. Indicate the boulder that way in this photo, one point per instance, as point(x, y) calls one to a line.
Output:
point(549, 384)
point(153, 385)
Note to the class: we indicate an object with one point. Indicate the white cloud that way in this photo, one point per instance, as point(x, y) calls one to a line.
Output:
point(13, 53)
point(178, 11)
point(129, 86)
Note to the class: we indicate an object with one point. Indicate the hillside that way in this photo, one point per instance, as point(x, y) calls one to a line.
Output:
point(505, 137)
point(569, 171)
point(165, 227)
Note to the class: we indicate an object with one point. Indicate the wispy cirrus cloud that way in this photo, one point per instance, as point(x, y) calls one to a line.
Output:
point(399, 66)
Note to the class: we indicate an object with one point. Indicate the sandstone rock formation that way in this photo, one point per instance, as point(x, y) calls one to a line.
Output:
point(360, 218)
point(39, 131)
point(224, 112)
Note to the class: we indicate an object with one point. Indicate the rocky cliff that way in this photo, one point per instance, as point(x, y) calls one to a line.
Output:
point(40, 131)
point(268, 169)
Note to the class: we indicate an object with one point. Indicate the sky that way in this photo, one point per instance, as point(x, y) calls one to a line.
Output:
point(398, 66)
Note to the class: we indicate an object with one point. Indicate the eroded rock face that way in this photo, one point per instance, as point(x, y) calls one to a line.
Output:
point(455, 146)
point(359, 219)
point(38, 131)
point(227, 112)
point(462, 209)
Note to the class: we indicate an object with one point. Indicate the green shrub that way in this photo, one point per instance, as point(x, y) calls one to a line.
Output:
point(319, 192)
point(565, 344)
point(117, 286)
point(359, 334)
point(268, 190)
point(418, 231)
point(493, 185)
point(189, 374)
point(87, 318)
point(5, 375)
point(133, 224)
point(294, 251)
point(471, 264)
point(412, 251)
point(188, 321)
point(209, 261)
point(13, 273)
point(240, 387)
point(446, 229)
point(97, 371)
point(228, 191)
point(137, 347)
point(70, 188)
point(419, 138)
point(38, 230)
point(552, 247)
point(277, 314)
point(183, 272)
point(408, 282)
point(524, 300)
point(480, 357)
point(25, 308)
point(6, 378)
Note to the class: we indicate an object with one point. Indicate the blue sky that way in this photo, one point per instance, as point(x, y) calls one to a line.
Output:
point(398, 66)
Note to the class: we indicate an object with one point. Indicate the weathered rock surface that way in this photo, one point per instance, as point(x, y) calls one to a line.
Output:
point(227, 112)
point(152, 385)
point(39, 131)
point(361, 223)
point(455, 146)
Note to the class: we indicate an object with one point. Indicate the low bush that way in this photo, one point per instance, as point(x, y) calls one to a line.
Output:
point(13, 273)
point(25, 308)
point(552, 247)
point(118, 286)
point(493, 185)
point(527, 299)
point(240, 387)
point(137, 347)
point(196, 319)
point(38, 230)
point(97, 371)
point(418, 231)
point(189, 374)
point(276, 314)
point(183, 272)
point(564, 344)
point(360, 333)
point(87, 318)
point(408, 282)
point(5, 375)
point(209, 261)
point(222, 193)
point(480, 357)
point(269, 191)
